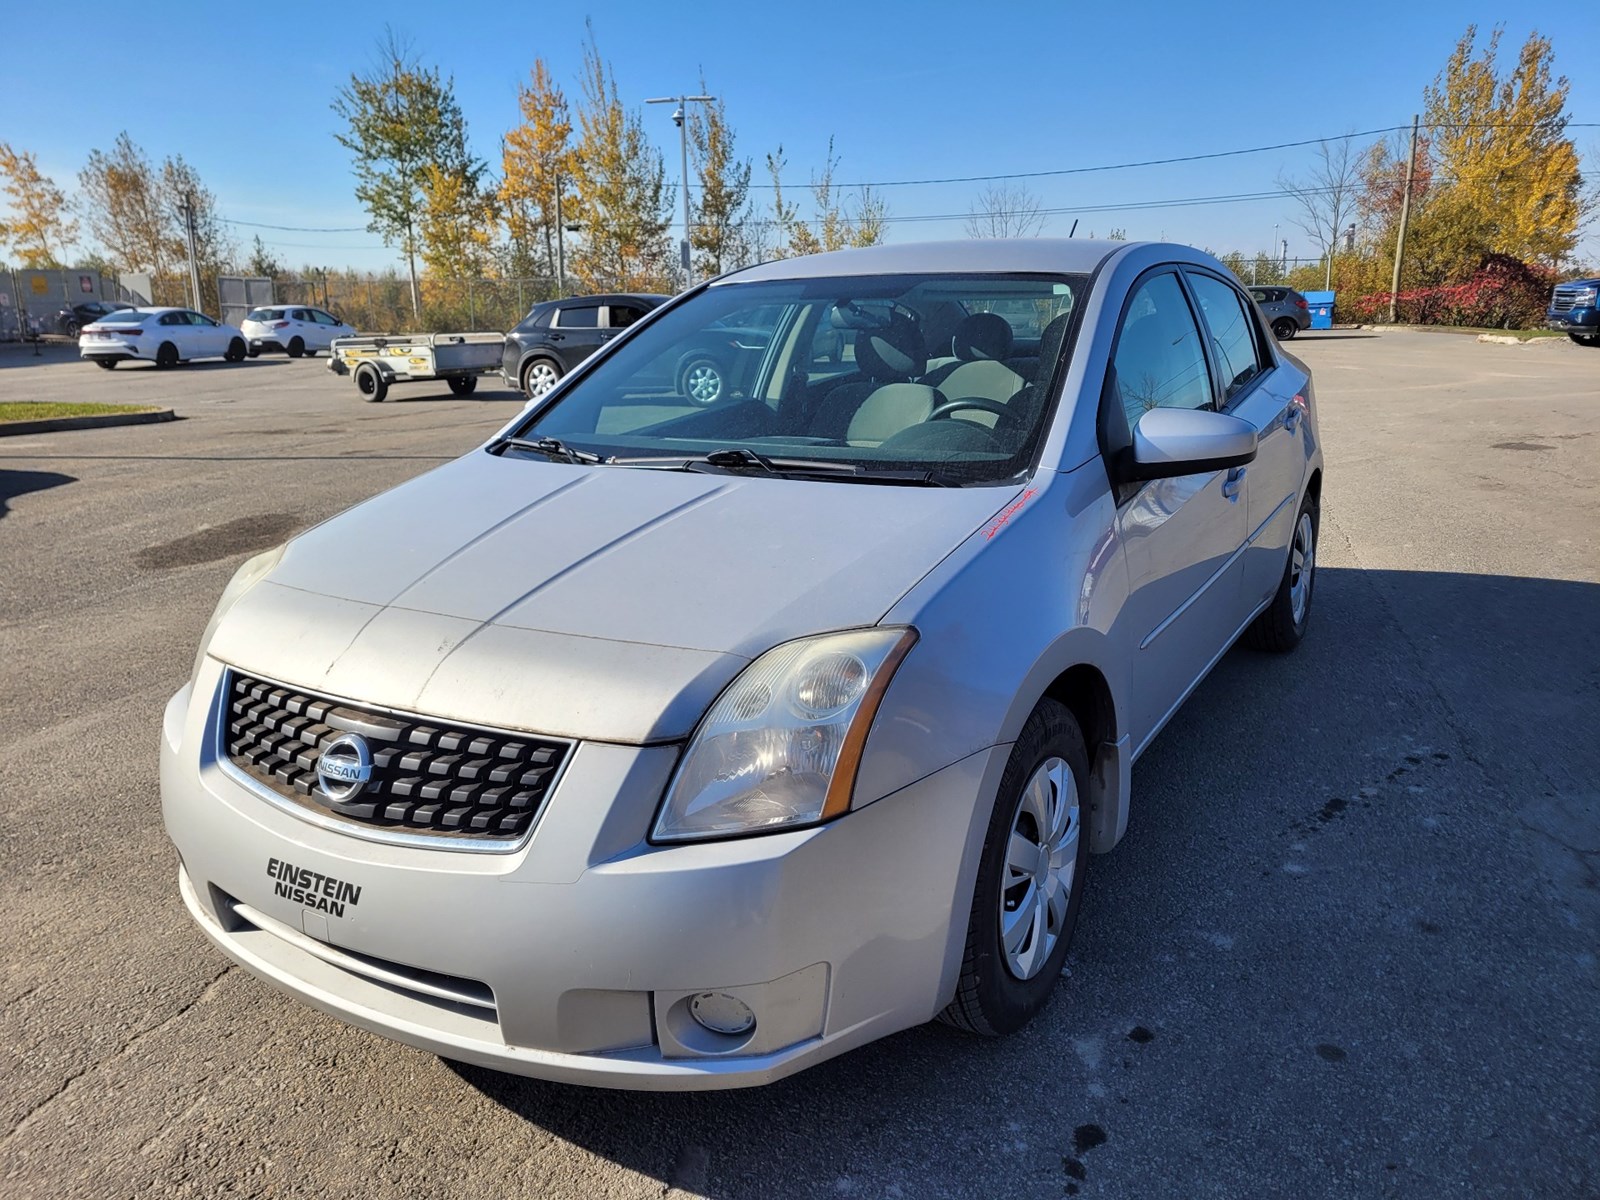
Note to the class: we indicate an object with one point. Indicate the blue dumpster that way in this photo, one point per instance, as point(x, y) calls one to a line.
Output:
point(1321, 304)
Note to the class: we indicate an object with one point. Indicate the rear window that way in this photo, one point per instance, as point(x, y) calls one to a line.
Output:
point(265, 314)
point(126, 316)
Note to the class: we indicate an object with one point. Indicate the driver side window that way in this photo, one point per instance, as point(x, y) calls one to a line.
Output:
point(1159, 360)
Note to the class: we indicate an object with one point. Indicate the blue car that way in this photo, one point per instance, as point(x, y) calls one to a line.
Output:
point(1575, 307)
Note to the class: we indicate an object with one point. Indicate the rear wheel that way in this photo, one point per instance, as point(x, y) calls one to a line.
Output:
point(296, 347)
point(166, 355)
point(236, 350)
point(1280, 628)
point(254, 352)
point(539, 376)
point(106, 364)
point(1030, 879)
point(463, 385)
point(370, 383)
point(1283, 329)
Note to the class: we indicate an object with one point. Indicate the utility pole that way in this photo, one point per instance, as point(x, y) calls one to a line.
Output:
point(561, 249)
point(411, 261)
point(1405, 217)
point(186, 210)
point(680, 118)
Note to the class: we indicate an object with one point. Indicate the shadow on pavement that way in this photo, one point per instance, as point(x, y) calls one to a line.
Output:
point(20, 483)
point(1282, 1005)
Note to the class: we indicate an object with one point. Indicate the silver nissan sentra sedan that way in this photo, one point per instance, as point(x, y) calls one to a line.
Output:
point(662, 745)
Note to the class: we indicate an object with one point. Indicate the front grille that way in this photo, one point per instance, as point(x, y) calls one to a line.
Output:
point(427, 777)
point(1564, 300)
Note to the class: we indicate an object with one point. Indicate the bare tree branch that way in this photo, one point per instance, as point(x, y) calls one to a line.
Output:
point(1327, 195)
point(1005, 210)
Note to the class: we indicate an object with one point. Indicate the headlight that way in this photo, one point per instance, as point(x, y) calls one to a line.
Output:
point(781, 745)
point(246, 577)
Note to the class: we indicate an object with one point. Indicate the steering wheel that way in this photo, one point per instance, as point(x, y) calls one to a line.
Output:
point(1004, 414)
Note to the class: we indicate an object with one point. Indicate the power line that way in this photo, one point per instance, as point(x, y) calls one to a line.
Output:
point(1184, 158)
point(297, 228)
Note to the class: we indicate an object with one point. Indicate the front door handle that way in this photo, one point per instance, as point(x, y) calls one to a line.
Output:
point(1231, 484)
point(1291, 419)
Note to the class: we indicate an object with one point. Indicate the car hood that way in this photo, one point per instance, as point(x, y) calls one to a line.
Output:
point(601, 602)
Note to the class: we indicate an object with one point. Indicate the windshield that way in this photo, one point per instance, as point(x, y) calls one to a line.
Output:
point(951, 374)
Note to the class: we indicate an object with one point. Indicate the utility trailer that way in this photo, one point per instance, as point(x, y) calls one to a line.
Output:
point(379, 360)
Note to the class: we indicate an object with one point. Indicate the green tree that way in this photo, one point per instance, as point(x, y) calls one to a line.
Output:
point(122, 205)
point(39, 227)
point(833, 225)
point(721, 212)
point(401, 119)
point(623, 200)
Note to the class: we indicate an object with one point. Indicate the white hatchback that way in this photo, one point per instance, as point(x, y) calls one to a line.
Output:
point(164, 336)
point(295, 329)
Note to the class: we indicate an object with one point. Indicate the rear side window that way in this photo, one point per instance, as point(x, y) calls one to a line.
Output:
point(1159, 362)
point(1232, 333)
point(579, 316)
point(623, 315)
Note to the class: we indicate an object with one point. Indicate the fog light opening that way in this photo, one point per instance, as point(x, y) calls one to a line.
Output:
point(722, 1013)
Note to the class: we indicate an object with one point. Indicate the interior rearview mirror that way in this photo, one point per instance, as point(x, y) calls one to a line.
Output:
point(1186, 441)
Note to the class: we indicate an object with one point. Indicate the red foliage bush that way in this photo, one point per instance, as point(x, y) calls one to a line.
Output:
point(1503, 293)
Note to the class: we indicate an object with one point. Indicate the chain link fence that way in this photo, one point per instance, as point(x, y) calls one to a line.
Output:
point(382, 303)
point(41, 303)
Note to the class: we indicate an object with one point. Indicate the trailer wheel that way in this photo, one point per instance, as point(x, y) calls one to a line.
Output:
point(371, 383)
point(463, 385)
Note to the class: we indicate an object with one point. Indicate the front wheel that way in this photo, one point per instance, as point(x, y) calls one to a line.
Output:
point(106, 364)
point(1283, 329)
point(1585, 339)
point(296, 347)
point(1030, 879)
point(236, 351)
point(1281, 626)
point(167, 355)
point(463, 385)
point(701, 381)
point(371, 383)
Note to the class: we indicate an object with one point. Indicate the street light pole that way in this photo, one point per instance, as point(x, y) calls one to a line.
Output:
point(680, 118)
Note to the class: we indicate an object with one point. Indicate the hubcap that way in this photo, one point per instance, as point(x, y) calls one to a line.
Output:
point(1041, 859)
point(541, 378)
point(705, 383)
point(1302, 563)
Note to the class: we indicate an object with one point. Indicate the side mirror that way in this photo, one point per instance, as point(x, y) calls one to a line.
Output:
point(1186, 441)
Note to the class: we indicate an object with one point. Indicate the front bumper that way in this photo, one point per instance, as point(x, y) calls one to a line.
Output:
point(574, 957)
point(1574, 320)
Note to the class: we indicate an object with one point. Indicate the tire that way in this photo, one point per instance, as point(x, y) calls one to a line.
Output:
point(539, 375)
point(236, 351)
point(253, 352)
point(1281, 626)
point(1284, 329)
point(296, 347)
point(1585, 339)
point(166, 355)
point(463, 385)
point(106, 364)
point(1001, 990)
point(702, 382)
point(371, 383)
point(69, 328)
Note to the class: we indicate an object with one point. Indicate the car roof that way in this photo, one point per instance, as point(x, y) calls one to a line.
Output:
point(1053, 256)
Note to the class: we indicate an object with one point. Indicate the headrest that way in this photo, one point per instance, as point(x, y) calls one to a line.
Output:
point(983, 335)
point(896, 352)
point(1050, 339)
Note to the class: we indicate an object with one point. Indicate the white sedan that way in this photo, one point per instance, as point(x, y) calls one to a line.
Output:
point(295, 329)
point(164, 336)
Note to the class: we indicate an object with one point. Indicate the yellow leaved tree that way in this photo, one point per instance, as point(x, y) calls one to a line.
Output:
point(37, 227)
point(536, 162)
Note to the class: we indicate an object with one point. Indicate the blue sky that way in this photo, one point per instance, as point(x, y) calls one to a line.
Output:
point(907, 90)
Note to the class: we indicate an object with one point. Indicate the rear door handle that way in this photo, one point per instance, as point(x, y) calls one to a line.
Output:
point(1291, 419)
point(1231, 485)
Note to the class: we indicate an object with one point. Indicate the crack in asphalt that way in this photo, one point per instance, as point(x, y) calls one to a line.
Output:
point(68, 1084)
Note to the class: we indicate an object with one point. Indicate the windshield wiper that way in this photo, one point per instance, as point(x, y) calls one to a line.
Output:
point(739, 460)
point(552, 448)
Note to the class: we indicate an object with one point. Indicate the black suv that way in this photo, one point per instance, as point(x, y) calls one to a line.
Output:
point(559, 334)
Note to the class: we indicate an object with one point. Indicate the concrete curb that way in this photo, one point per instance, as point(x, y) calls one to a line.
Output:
point(99, 421)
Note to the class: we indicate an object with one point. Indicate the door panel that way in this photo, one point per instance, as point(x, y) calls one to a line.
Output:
point(1183, 537)
point(575, 333)
point(1273, 481)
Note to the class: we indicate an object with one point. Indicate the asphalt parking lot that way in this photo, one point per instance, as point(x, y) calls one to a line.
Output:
point(1348, 947)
